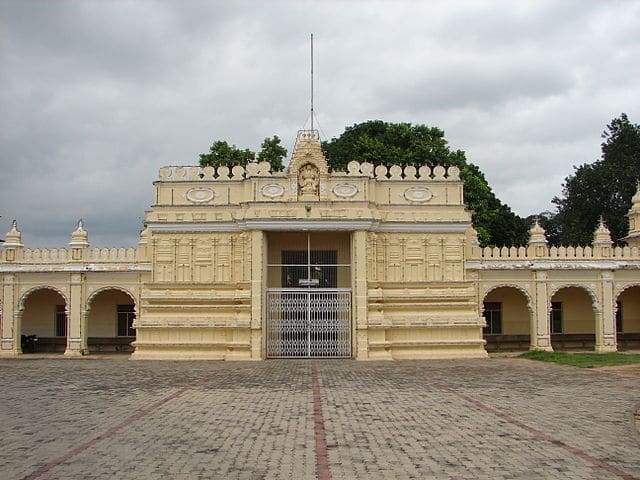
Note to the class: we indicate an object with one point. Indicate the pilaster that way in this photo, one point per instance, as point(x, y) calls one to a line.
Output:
point(84, 331)
point(74, 316)
point(541, 334)
point(605, 317)
point(10, 345)
point(359, 260)
point(258, 272)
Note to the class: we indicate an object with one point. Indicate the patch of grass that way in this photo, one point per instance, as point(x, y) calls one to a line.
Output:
point(583, 360)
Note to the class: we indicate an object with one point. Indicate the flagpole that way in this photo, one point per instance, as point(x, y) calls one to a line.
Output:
point(312, 81)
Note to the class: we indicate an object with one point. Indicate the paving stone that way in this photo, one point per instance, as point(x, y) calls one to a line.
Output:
point(462, 419)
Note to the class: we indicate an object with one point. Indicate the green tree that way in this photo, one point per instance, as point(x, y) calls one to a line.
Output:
point(272, 152)
point(221, 153)
point(604, 187)
point(404, 144)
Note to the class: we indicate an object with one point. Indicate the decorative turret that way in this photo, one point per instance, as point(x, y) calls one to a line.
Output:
point(537, 240)
point(633, 239)
point(79, 242)
point(13, 244)
point(308, 169)
point(602, 240)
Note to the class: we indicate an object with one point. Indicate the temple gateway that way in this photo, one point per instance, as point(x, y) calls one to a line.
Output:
point(372, 263)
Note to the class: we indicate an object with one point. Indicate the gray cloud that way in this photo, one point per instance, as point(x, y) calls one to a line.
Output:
point(95, 96)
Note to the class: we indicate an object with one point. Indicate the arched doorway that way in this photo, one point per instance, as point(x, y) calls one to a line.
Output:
point(508, 317)
point(628, 318)
point(45, 314)
point(572, 319)
point(110, 317)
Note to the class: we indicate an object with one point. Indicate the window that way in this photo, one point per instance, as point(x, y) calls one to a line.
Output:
point(619, 317)
point(556, 317)
point(126, 315)
point(310, 268)
point(60, 326)
point(493, 317)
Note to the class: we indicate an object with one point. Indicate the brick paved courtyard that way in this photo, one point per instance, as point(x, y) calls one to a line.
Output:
point(473, 419)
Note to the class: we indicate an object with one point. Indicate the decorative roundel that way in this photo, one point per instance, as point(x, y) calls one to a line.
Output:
point(418, 194)
point(345, 190)
point(200, 195)
point(273, 190)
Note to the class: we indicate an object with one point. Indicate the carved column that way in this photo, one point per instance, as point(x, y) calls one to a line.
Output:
point(359, 284)
point(540, 333)
point(84, 331)
point(258, 275)
point(11, 317)
point(605, 317)
point(74, 316)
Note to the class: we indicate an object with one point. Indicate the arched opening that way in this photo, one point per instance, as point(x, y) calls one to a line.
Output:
point(508, 320)
point(572, 320)
point(111, 313)
point(628, 318)
point(44, 314)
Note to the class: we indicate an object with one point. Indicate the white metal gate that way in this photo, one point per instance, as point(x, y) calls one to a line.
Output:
point(308, 323)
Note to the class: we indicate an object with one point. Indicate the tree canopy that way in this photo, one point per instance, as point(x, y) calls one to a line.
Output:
point(404, 144)
point(221, 153)
point(273, 153)
point(603, 188)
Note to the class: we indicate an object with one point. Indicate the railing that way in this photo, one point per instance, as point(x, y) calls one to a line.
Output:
point(46, 255)
point(113, 254)
point(437, 173)
point(63, 255)
point(573, 253)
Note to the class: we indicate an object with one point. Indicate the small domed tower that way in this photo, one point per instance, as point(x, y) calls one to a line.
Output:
point(13, 244)
point(79, 243)
point(602, 240)
point(537, 241)
point(633, 239)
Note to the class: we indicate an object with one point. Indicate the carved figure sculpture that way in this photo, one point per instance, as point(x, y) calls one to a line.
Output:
point(308, 179)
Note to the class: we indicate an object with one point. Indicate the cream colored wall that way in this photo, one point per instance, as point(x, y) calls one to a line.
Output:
point(39, 313)
point(577, 310)
point(630, 299)
point(415, 257)
point(515, 314)
point(198, 298)
point(103, 315)
point(201, 258)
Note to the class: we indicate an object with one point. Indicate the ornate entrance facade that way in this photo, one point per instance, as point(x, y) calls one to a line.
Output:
point(376, 262)
point(308, 297)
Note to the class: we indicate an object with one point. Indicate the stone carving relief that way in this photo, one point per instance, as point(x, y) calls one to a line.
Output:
point(308, 180)
point(345, 190)
point(418, 194)
point(273, 190)
point(200, 195)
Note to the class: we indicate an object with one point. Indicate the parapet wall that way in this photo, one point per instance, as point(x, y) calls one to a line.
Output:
point(186, 173)
point(62, 255)
point(553, 253)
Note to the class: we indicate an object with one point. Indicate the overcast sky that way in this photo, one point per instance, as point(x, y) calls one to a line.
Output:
point(95, 96)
